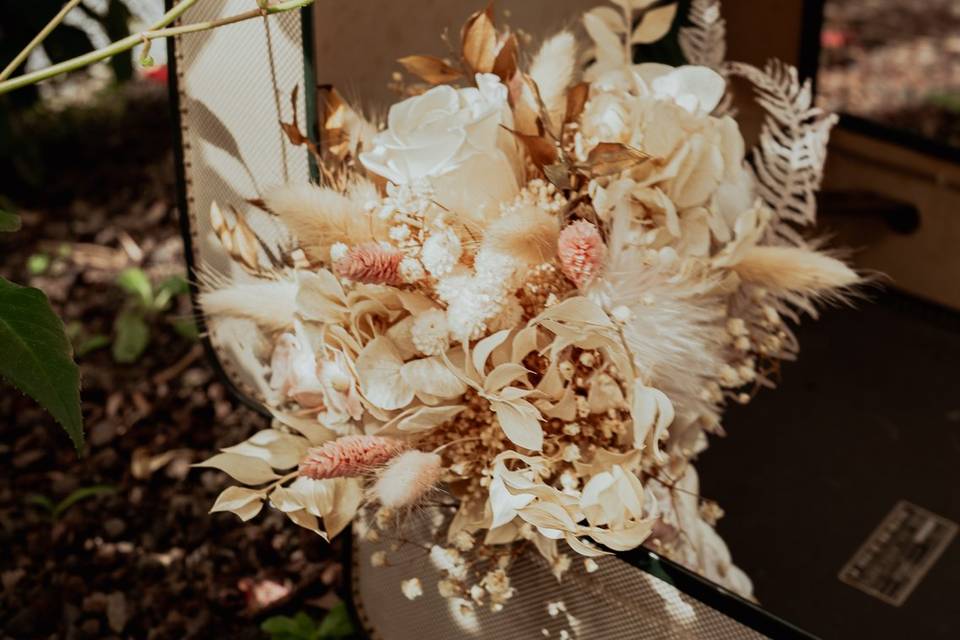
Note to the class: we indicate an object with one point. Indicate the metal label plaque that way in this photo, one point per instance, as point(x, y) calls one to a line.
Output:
point(899, 552)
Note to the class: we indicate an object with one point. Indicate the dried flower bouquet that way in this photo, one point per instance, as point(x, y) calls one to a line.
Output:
point(529, 293)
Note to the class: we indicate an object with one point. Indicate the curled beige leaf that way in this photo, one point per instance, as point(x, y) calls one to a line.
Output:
point(430, 68)
point(245, 503)
point(381, 382)
point(242, 468)
point(479, 40)
point(654, 25)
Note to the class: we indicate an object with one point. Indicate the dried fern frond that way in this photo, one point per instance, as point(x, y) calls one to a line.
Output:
point(788, 160)
point(320, 216)
point(705, 41)
point(552, 71)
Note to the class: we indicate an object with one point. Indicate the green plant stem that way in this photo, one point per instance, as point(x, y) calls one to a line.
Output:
point(158, 30)
point(40, 37)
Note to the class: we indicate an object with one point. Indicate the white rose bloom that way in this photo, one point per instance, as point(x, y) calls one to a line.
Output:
point(452, 138)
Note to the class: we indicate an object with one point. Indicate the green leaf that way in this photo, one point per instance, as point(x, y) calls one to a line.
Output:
point(9, 221)
point(38, 263)
point(42, 502)
point(187, 328)
point(81, 494)
point(135, 282)
point(35, 355)
point(91, 344)
point(132, 335)
point(300, 627)
point(336, 624)
point(169, 289)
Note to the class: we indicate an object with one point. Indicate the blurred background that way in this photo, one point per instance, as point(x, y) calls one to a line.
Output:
point(118, 543)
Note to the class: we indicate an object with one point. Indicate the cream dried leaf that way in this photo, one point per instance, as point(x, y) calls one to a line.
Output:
point(429, 376)
point(245, 503)
point(381, 382)
point(279, 450)
point(246, 469)
point(652, 413)
point(520, 422)
point(654, 25)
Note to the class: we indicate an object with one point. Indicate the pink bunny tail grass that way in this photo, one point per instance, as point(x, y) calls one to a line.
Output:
point(370, 263)
point(407, 479)
point(581, 252)
point(349, 456)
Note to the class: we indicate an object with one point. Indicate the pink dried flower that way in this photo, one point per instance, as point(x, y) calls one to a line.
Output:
point(370, 263)
point(348, 456)
point(581, 252)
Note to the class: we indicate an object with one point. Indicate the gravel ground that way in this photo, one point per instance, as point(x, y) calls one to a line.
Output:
point(140, 558)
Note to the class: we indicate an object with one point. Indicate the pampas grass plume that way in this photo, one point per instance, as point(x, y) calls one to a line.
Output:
point(407, 478)
point(552, 70)
point(271, 304)
point(795, 270)
point(320, 216)
point(528, 234)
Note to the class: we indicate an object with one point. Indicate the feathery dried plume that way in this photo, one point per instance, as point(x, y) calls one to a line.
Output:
point(795, 270)
point(320, 216)
point(407, 478)
point(349, 456)
point(552, 70)
point(270, 303)
point(528, 234)
point(581, 252)
point(370, 263)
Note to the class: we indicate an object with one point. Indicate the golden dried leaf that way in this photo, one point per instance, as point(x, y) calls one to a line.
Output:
point(543, 151)
point(608, 158)
point(576, 99)
point(558, 174)
point(430, 68)
point(479, 38)
point(654, 25)
point(505, 64)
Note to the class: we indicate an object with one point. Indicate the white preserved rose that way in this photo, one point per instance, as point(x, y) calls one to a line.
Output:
point(452, 138)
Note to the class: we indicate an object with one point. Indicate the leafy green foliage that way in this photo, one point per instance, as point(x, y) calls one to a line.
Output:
point(132, 326)
point(35, 355)
point(336, 624)
point(38, 263)
point(131, 337)
point(56, 509)
point(84, 343)
point(9, 221)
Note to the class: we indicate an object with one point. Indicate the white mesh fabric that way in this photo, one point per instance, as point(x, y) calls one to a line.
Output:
point(616, 602)
point(234, 88)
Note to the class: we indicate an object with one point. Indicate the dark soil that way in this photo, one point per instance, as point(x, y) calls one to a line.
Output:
point(144, 560)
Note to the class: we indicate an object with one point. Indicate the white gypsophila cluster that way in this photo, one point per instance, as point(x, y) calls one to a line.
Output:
point(411, 270)
point(407, 199)
point(441, 252)
point(429, 332)
point(472, 301)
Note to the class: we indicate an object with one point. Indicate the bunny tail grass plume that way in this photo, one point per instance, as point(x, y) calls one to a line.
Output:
point(795, 270)
point(270, 303)
point(552, 70)
point(320, 216)
point(407, 478)
point(528, 234)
